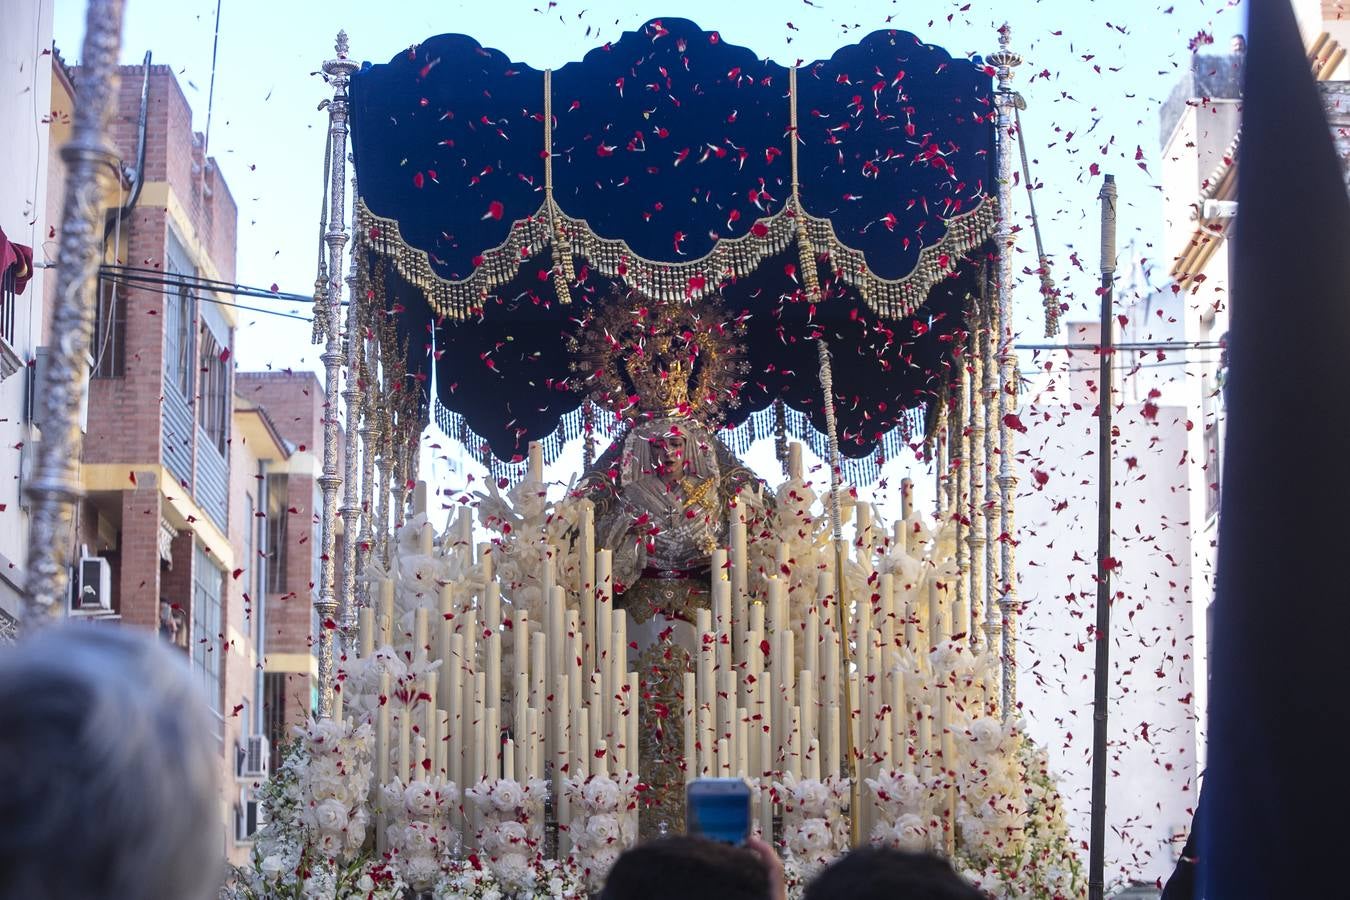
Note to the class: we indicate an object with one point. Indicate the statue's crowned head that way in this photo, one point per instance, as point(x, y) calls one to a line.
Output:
point(650, 359)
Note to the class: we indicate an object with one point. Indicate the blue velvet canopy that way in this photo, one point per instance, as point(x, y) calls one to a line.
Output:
point(499, 205)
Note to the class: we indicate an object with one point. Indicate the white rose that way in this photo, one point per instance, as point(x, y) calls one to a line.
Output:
point(504, 837)
point(602, 829)
point(601, 794)
point(507, 796)
point(417, 838)
point(810, 838)
point(419, 799)
point(986, 735)
point(330, 816)
point(909, 833)
point(812, 797)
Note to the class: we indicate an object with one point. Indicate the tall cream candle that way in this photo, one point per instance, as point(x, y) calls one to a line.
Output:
point(600, 758)
point(520, 634)
point(587, 605)
point(386, 621)
point(419, 642)
point(580, 765)
point(562, 740)
point(442, 766)
point(806, 699)
point(595, 710)
point(477, 729)
point(536, 463)
point(492, 743)
point(365, 618)
point(486, 560)
point(535, 744)
point(813, 759)
point(763, 732)
point(688, 707)
point(634, 718)
point(492, 699)
point(431, 719)
point(404, 743)
point(604, 625)
point(935, 635)
point(925, 742)
point(538, 671)
point(382, 734)
point(520, 721)
point(830, 733)
point(741, 769)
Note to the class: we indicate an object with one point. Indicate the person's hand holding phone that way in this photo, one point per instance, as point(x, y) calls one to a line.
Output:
point(772, 861)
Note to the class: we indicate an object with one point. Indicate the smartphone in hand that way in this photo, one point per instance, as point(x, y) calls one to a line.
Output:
point(719, 809)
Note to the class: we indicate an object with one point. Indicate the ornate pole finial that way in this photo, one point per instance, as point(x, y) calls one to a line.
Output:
point(340, 44)
point(1005, 59)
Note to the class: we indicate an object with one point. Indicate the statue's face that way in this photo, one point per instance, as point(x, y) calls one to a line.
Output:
point(668, 457)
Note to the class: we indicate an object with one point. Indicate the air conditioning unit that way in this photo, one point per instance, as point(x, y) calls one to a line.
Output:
point(253, 758)
point(93, 587)
point(248, 817)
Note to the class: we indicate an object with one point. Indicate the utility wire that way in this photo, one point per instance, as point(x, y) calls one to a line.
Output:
point(158, 276)
point(146, 287)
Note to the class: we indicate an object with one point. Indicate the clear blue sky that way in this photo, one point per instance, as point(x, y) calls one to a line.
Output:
point(1096, 72)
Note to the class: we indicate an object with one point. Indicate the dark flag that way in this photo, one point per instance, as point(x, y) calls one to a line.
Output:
point(1276, 789)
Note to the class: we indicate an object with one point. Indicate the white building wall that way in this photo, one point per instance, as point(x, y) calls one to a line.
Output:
point(1152, 759)
point(25, 101)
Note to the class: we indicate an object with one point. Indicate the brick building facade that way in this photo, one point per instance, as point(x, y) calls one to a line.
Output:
point(171, 463)
point(295, 403)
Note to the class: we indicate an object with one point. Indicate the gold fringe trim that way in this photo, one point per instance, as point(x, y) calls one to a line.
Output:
point(567, 237)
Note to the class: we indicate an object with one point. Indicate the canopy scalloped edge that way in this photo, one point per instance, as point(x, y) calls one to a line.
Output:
point(730, 258)
point(759, 425)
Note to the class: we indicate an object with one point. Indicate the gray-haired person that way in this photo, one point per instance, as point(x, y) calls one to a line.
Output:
point(108, 771)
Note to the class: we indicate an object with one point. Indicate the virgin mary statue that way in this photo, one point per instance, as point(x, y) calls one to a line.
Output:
point(663, 494)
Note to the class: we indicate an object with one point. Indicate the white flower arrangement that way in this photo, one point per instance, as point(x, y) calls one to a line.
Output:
point(815, 826)
point(287, 860)
point(418, 833)
point(1040, 863)
point(604, 821)
point(333, 779)
point(901, 823)
point(511, 828)
point(548, 879)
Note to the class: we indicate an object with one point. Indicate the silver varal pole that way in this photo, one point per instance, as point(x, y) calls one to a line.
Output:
point(351, 454)
point(1006, 101)
point(90, 163)
point(337, 72)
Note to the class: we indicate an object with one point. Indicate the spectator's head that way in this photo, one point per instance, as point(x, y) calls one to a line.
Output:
point(881, 873)
point(687, 868)
point(110, 768)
